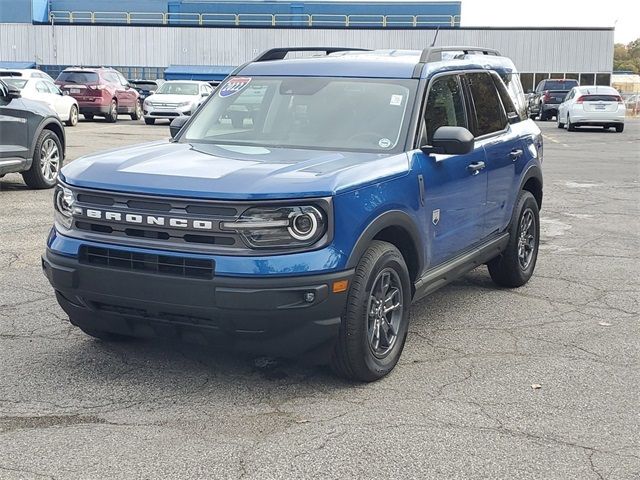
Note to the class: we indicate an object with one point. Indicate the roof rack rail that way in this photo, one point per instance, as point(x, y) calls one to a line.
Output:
point(433, 54)
point(280, 53)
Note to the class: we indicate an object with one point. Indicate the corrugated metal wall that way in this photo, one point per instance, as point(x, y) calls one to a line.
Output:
point(531, 50)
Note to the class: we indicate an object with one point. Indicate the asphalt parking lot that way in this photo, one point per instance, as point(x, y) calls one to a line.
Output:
point(460, 404)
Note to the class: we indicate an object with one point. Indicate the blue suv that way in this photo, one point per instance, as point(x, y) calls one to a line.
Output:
point(306, 205)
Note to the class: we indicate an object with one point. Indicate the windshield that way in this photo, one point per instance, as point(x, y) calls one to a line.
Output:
point(15, 82)
point(179, 88)
point(81, 78)
point(306, 112)
point(151, 86)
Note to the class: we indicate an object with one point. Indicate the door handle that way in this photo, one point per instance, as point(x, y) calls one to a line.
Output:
point(515, 154)
point(476, 167)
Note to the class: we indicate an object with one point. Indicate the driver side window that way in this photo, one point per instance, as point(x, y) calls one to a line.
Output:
point(444, 107)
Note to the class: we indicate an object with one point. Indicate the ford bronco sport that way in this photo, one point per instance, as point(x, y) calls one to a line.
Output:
point(361, 181)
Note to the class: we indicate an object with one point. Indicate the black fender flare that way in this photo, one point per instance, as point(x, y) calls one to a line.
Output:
point(46, 122)
point(534, 171)
point(391, 218)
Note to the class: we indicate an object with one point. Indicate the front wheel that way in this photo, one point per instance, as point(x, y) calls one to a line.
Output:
point(73, 117)
point(137, 113)
point(560, 124)
point(570, 126)
point(376, 318)
point(620, 128)
point(515, 266)
point(149, 121)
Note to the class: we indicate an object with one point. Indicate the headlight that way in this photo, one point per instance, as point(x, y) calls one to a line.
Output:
point(184, 104)
point(280, 226)
point(63, 202)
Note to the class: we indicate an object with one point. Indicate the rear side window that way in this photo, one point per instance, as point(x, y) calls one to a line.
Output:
point(490, 115)
point(81, 78)
point(560, 84)
point(42, 87)
point(445, 106)
point(509, 107)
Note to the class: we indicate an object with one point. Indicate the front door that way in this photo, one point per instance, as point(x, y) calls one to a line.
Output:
point(455, 186)
point(14, 131)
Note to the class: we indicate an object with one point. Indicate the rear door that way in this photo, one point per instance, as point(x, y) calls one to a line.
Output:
point(14, 131)
point(455, 186)
point(501, 142)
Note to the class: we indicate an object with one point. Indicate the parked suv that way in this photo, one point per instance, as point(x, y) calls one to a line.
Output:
point(363, 181)
point(548, 95)
point(32, 140)
point(101, 92)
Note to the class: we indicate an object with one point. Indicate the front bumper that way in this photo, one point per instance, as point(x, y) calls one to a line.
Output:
point(271, 316)
point(150, 111)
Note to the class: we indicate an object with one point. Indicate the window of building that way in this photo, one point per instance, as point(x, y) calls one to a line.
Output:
point(445, 106)
point(557, 75)
point(572, 76)
point(527, 82)
point(587, 78)
point(490, 115)
point(603, 79)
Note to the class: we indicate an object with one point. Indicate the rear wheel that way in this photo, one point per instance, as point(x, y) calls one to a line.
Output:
point(73, 117)
point(112, 116)
point(149, 121)
point(137, 113)
point(88, 116)
point(620, 128)
point(376, 318)
point(515, 266)
point(47, 161)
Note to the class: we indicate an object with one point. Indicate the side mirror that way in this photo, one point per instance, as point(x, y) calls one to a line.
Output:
point(176, 125)
point(513, 117)
point(450, 141)
point(205, 94)
point(13, 92)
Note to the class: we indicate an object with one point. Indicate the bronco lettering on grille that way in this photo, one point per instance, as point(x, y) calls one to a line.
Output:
point(152, 220)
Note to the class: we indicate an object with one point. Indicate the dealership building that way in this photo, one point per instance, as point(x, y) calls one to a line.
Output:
point(205, 39)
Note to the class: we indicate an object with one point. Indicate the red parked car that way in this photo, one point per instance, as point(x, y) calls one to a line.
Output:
point(101, 92)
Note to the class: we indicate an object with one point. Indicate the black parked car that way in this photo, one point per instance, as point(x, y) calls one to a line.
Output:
point(32, 139)
point(146, 87)
point(548, 95)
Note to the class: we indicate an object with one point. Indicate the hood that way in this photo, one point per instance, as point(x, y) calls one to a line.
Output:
point(172, 98)
point(230, 172)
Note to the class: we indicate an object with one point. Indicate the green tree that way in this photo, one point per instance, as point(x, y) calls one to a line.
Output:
point(627, 57)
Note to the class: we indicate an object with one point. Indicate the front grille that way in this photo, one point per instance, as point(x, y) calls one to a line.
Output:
point(152, 234)
point(165, 114)
point(147, 262)
point(170, 317)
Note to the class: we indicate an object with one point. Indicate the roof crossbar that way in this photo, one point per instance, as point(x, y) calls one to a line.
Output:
point(434, 54)
point(280, 53)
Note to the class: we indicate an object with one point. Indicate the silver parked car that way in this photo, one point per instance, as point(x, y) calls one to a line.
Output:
point(176, 98)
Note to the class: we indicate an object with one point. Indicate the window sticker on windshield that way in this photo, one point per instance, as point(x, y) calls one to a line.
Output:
point(233, 86)
point(396, 100)
point(384, 143)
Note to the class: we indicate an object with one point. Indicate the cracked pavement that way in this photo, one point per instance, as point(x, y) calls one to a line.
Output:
point(460, 403)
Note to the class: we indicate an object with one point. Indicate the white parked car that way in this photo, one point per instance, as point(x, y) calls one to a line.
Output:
point(175, 98)
point(45, 91)
point(592, 106)
point(24, 73)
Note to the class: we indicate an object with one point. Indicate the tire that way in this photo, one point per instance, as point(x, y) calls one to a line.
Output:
point(88, 116)
point(355, 355)
point(570, 126)
point(104, 336)
point(533, 116)
point(543, 116)
point(73, 117)
point(560, 124)
point(112, 116)
point(514, 267)
point(620, 128)
point(137, 114)
point(149, 121)
point(48, 158)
